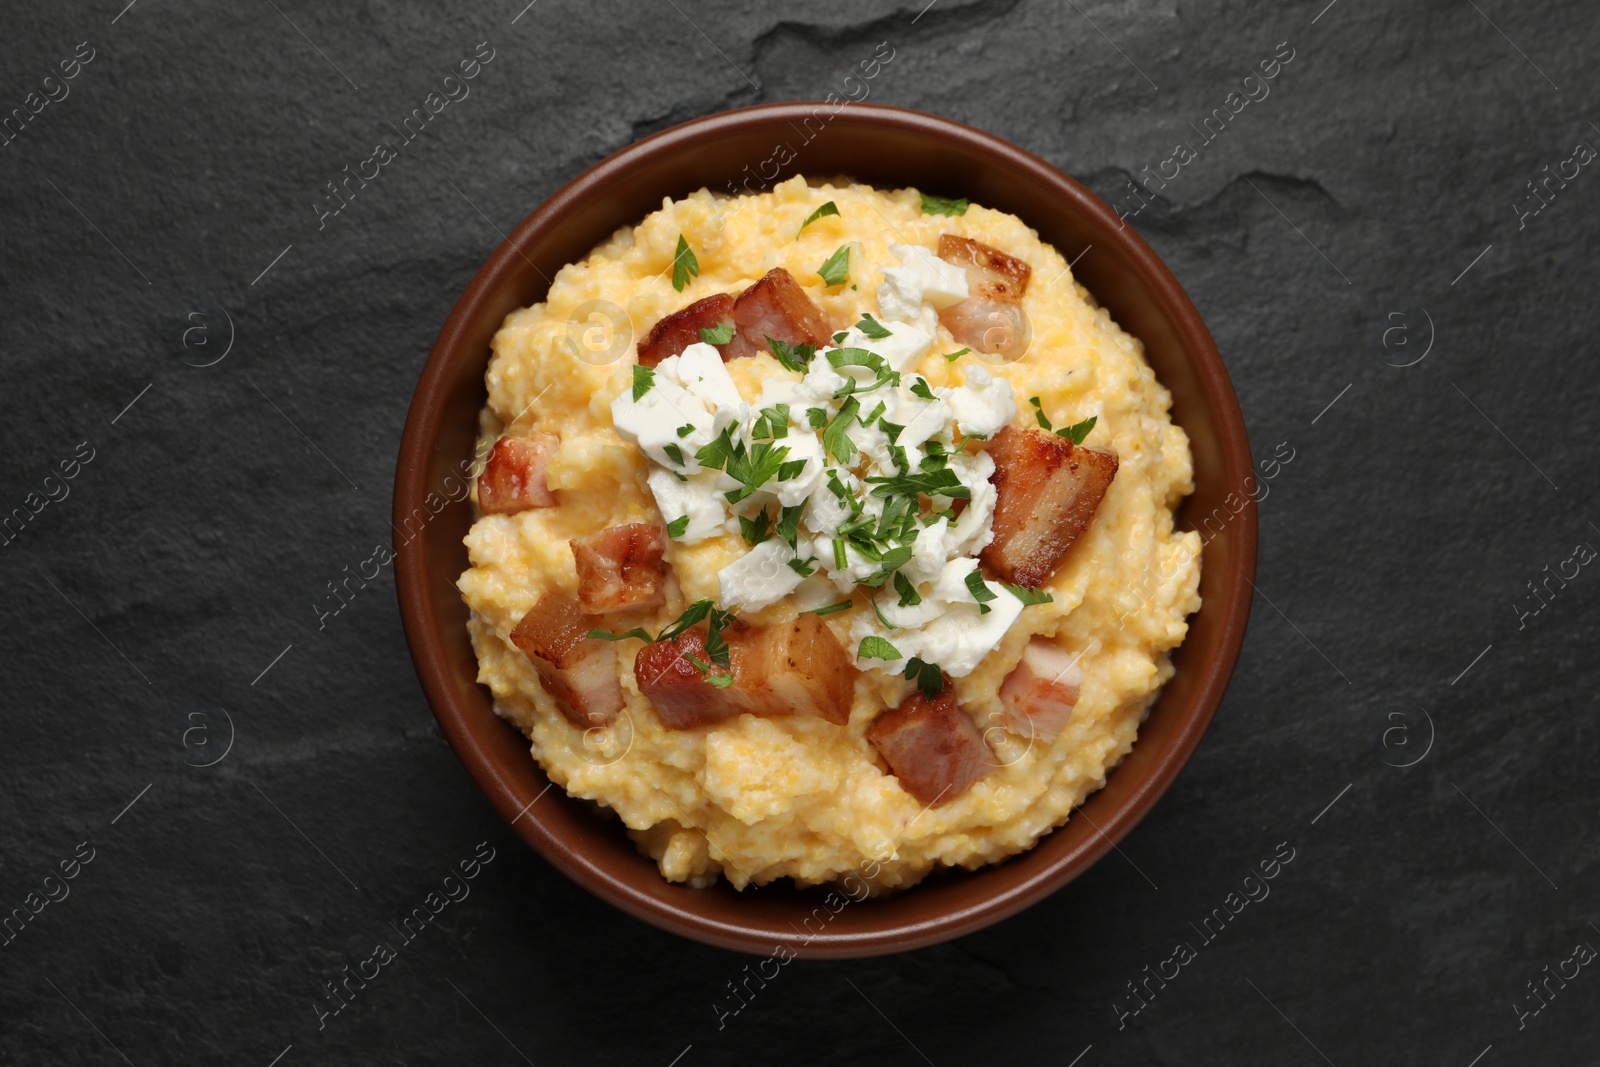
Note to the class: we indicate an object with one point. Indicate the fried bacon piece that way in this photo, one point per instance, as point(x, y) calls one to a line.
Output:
point(620, 568)
point(1039, 695)
point(1046, 491)
point(679, 330)
point(931, 746)
point(579, 672)
point(775, 307)
point(991, 318)
point(792, 668)
point(678, 689)
point(513, 477)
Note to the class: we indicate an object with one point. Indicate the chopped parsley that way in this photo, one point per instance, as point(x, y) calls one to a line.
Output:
point(788, 526)
point(686, 429)
point(837, 267)
point(830, 208)
point(684, 265)
point(817, 417)
point(835, 442)
point(874, 647)
point(720, 334)
point(884, 374)
point(643, 379)
point(678, 526)
point(980, 592)
point(873, 328)
point(756, 530)
point(951, 357)
point(929, 678)
point(938, 205)
point(1038, 413)
point(1028, 596)
point(920, 387)
point(805, 568)
point(831, 608)
point(791, 469)
point(673, 453)
point(909, 597)
point(891, 430)
point(941, 481)
point(793, 357)
point(840, 336)
point(606, 635)
point(771, 423)
point(721, 681)
point(1078, 430)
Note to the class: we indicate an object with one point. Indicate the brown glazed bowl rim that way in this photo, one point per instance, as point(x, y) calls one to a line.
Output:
point(887, 141)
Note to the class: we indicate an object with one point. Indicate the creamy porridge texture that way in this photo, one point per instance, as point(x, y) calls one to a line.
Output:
point(862, 553)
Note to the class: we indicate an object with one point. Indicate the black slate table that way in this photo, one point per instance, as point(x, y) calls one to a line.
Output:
point(222, 785)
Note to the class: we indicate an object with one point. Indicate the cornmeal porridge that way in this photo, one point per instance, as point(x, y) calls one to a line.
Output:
point(862, 551)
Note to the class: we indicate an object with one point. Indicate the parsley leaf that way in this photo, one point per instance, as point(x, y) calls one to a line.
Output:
point(891, 430)
point(879, 410)
point(835, 443)
point(607, 635)
point(791, 469)
point(929, 678)
point(890, 561)
point(684, 265)
point(837, 268)
point(771, 423)
point(951, 357)
point(789, 523)
point(754, 467)
point(831, 608)
point(691, 615)
point(830, 208)
point(677, 526)
point(1078, 430)
point(909, 597)
point(805, 568)
point(941, 481)
point(721, 681)
point(920, 387)
point(716, 645)
point(873, 328)
point(840, 336)
point(938, 205)
point(874, 647)
point(1028, 596)
point(836, 487)
point(817, 417)
point(720, 334)
point(686, 429)
point(793, 357)
point(756, 530)
point(643, 379)
point(840, 358)
point(887, 625)
point(717, 454)
point(674, 453)
point(1038, 413)
point(980, 592)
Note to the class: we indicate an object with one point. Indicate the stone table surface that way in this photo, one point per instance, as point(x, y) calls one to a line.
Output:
point(225, 376)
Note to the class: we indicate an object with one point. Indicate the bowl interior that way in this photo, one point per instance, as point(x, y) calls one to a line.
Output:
point(752, 149)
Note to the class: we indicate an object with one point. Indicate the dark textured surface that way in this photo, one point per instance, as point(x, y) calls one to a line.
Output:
point(198, 543)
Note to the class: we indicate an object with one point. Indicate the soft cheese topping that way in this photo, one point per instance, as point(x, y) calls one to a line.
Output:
point(851, 470)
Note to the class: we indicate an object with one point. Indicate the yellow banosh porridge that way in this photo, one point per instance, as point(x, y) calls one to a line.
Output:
point(755, 797)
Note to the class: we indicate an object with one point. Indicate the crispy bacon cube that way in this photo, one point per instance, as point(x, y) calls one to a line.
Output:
point(1046, 492)
point(679, 330)
point(579, 672)
point(777, 307)
point(678, 689)
point(620, 568)
point(792, 668)
point(991, 318)
point(991, 273)
point(513, 477)
point(1037, 697)
point(931, 746)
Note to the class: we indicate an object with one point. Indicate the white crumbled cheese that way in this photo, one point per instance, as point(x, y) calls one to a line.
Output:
point(760, 577)
point(905, 344)
point(983, 404)
point(903, 541)
point(698, 498)
point(940, 284)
